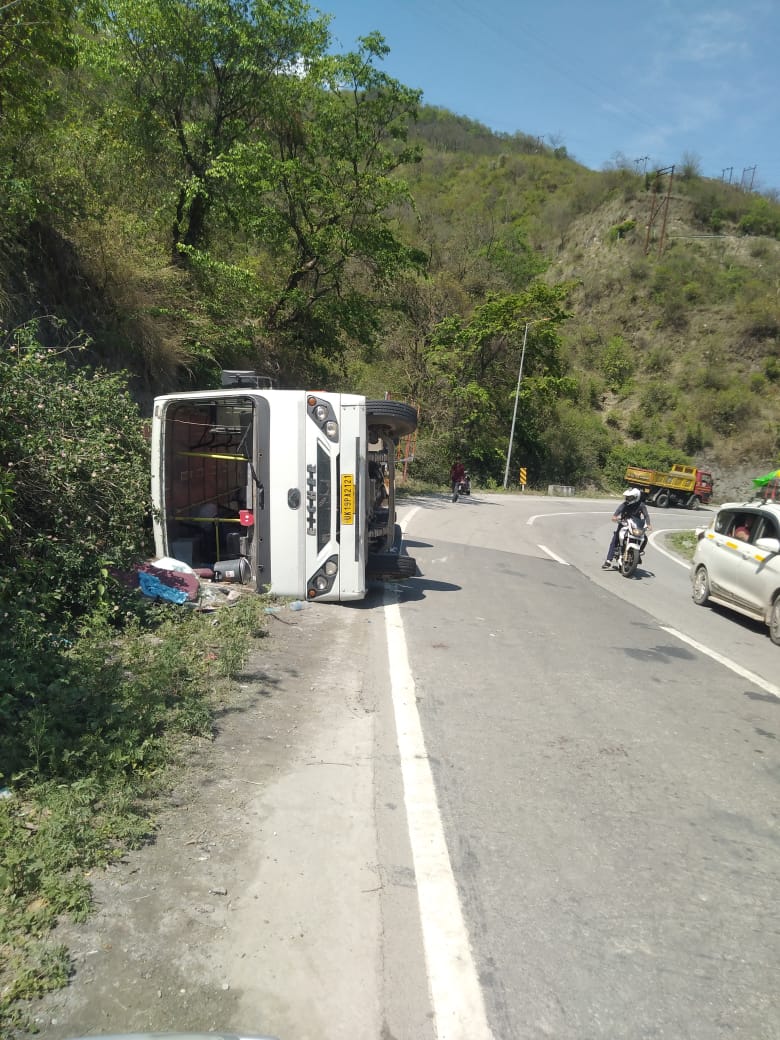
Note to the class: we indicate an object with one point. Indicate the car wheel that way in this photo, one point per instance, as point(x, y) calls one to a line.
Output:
point(701, 587)
point(774, 621)
point(398, 418)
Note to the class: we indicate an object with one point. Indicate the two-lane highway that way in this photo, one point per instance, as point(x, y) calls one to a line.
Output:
point(608, 792)
point(662, 584)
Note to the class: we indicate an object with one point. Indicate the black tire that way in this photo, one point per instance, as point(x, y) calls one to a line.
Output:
point(701, 587)
point(662, 499)
point(628, 563)
point(694, 502)
point(390, 566)
point(380, 520)
point(774, 622)
point(396, 417)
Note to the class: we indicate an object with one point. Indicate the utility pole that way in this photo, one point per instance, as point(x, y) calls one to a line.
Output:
point(657, 205)
point(644, 160)
point(730, 170)
point(528, 324)
point(752, 171)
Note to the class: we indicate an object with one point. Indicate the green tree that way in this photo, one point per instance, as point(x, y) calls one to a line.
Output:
point(36, 38)
point(474, 368)
point(320, 193)
point(282, 160)
point(201, 77)
point(36, 42)
point(575, 447)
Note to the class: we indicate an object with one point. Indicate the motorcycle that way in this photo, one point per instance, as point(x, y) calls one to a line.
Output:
point(461, 487)
point(631, 539)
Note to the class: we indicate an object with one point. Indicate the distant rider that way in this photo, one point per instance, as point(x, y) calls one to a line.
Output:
point(457, 474)
point(634, 508)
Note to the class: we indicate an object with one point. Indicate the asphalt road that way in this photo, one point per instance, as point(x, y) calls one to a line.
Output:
point(516, 797)
point(608, 791)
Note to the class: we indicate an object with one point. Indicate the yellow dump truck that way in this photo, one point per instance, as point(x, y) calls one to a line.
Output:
point(683, 486)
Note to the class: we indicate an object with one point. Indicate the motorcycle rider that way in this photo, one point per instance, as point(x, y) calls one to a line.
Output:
point(632, 507)
point(457, 473)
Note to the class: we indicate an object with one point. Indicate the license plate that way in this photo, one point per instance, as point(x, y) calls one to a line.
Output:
point(347, 498)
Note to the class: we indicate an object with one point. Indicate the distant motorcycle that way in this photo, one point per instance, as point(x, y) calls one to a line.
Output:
point(461, 487)
point(631, 539)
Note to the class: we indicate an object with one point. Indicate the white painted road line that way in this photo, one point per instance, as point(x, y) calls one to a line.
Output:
point(580, 512)
point(552, 555)
point(664, 552)
point(456, 997)
point(726, 662)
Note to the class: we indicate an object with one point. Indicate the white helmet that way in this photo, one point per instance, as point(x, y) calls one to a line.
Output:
point(632, 495)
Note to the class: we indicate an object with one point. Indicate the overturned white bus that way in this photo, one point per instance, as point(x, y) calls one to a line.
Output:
point(291, 490)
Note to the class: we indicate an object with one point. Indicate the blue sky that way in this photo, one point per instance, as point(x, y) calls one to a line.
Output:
point(650, 81)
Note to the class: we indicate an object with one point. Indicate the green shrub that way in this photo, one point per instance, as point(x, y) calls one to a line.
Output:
point(575, 447)
point(726, 410)
point(762, 218)
point(618, 363)
point(695, 438)
point(621, 230)
point(658, 360)
point(591, 391)
point(635, 427)
point(75, 483)
point(656, 455)
point(658, 397)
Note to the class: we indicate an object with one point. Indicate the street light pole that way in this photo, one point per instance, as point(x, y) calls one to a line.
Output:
point(514, 413)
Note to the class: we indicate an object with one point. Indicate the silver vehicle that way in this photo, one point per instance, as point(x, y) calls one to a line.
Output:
point(737, 562)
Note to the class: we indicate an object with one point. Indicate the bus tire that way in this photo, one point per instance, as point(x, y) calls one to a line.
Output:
point(398, 418)
point(390, 566)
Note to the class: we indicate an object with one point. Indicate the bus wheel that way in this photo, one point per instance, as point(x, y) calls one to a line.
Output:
point(390, 566)
point(398, 418)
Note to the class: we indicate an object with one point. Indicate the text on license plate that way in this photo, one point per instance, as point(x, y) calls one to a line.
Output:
point(347, 498)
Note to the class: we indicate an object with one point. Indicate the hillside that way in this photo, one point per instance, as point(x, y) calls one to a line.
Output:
point(381, 246)
point(674, 328)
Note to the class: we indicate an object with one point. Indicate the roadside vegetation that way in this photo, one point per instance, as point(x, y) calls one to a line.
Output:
point(101, 690)
point(683, 543)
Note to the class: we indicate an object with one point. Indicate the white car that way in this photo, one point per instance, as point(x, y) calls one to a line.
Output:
point(737, 562)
